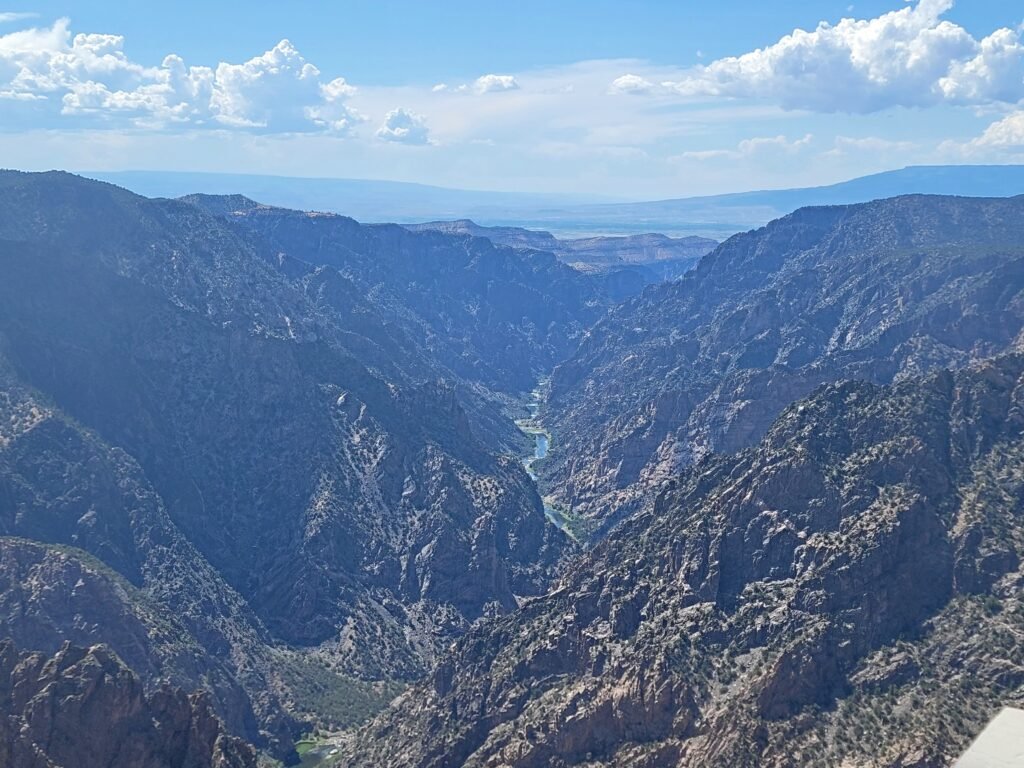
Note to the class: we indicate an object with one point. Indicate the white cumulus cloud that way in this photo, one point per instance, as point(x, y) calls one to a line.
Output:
point(405, 127)
point(631, 84)
point(1007, 133)
point(994, 73)
point(910, 57)
point(272, 90)
point(1001, 141)
point(89, 76)
point(483, 84)
point(495, 83)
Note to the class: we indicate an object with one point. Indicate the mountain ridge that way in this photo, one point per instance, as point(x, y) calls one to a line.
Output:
point(704, 364)
point(716, 216)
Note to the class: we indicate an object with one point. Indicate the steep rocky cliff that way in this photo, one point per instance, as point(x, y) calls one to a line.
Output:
point(492, 314)
point(255, 444)
point(145, 591)
point(874, 292)
point(846, 592)
point(83, 708)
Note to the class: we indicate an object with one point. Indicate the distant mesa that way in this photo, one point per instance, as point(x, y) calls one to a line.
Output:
point(632, 261)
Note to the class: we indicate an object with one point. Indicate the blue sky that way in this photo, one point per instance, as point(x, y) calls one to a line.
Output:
point(388, 42)
point(633, 99)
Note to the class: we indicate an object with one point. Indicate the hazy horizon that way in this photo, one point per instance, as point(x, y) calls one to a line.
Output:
point(640, 102)
point(581, 198)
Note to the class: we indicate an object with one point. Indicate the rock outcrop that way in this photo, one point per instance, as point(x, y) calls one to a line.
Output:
point(83, 708)
point(51, 595)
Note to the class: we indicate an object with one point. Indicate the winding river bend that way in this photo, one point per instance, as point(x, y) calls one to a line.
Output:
point(541, 442)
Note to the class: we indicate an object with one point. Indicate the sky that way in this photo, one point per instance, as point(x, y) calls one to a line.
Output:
point(642, 99)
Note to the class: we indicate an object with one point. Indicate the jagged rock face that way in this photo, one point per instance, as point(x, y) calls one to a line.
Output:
point(83, 708)
point(50, 595)
point(873, 292)
point(251, 443)
point(847, 592)
point(491, 314)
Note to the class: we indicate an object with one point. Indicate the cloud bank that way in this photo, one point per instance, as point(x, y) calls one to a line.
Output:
point(911, 57)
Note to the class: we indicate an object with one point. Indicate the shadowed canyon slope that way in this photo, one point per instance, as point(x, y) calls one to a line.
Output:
point(492, 314)
point(875, 292)
point(263, 449)
point(847, 592)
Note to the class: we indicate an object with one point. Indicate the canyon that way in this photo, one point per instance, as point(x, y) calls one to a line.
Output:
point(457, 496)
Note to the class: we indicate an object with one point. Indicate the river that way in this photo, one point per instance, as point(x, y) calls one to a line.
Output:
point(541, 442)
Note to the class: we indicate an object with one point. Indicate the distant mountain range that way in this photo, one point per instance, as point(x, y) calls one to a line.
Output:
point(362, 199)
point(745, 210)
point(716, 216)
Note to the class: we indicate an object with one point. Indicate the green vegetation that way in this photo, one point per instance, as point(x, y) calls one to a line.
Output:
point(579, 528)
point(332, 700)
point(317, 750)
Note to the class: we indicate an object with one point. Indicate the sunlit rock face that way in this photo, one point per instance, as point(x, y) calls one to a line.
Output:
point(845, 592)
